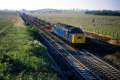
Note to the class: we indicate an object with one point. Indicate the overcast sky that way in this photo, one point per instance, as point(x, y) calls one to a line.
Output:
point(60, 4)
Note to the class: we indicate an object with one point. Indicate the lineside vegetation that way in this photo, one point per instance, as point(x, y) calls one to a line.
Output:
point(21, 56)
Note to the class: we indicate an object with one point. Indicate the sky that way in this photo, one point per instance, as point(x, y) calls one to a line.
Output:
point(60, 4)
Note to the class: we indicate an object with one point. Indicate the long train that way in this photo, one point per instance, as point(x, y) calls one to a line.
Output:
point(70, 34)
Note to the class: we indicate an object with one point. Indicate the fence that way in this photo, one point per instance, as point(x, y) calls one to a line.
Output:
point(108, 33)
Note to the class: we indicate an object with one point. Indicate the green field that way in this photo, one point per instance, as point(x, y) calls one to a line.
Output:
point(107, 24)
point(22, 57)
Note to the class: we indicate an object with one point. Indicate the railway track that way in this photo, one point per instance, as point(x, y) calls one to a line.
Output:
point(109, 71)
point(85, 64)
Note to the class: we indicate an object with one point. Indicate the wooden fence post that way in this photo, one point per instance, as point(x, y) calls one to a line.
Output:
point(102, 31)
point(109, 33)
point(117, 36)
point(105, 33)
point(113, 34)
point(98, 31)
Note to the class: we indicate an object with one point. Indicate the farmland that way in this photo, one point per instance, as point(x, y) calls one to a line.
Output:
point(107, 24)
point(21, 56)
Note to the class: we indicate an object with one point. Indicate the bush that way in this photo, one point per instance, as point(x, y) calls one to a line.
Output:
point(35, 47)
point(32, 31)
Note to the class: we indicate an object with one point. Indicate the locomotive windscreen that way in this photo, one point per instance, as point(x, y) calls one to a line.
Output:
point(76, 30)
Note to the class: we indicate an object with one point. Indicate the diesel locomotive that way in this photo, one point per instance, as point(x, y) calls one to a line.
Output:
point(70, 34)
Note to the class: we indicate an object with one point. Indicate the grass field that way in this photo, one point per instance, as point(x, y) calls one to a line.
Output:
point(6, 19)
point(22, 57)
point(107, 24)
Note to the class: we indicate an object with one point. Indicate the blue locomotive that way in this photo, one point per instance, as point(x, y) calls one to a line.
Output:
point(69, 33)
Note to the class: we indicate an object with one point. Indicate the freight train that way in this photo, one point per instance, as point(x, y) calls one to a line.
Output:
point(70, 34)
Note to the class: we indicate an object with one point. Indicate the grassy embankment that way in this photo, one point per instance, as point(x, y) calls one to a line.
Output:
point(22, 57)
point(107, 24)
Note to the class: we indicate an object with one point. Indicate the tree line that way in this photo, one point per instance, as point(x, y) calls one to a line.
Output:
point(104, 12)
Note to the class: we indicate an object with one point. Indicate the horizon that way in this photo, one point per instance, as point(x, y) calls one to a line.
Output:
point(60, 4)
point(76, 9)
